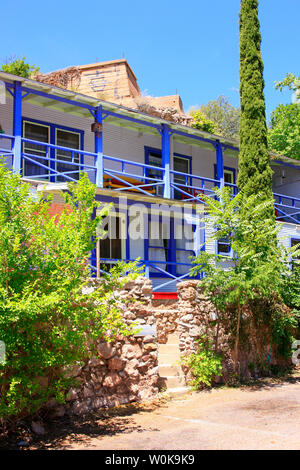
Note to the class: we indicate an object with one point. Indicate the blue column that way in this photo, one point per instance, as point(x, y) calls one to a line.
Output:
point(220, 165)
point(17, 127)
point(99, 150)
point(165, 149)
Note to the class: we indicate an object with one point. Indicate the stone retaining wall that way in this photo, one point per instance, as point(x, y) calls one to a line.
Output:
point(123, 371)
point(197, 317)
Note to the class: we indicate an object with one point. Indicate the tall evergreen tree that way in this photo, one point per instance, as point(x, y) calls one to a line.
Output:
point(255, 174)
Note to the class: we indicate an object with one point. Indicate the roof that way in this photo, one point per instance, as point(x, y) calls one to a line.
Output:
point(94, 65)
point(77, 98)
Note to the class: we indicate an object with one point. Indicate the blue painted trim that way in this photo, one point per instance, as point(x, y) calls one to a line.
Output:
point(220, 165)
point(99, 150)
point(165, 151)
point(286, 164)
point(229, 254)
point(228, 168)
point(92, 109)
point(127, 236)
point(17, 127)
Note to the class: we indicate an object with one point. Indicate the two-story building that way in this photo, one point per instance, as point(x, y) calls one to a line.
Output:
point(153, 170)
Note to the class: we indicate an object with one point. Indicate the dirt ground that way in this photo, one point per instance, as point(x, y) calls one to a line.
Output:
point(261, 416)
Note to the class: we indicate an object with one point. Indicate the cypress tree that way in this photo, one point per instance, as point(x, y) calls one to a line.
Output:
point(255, 174)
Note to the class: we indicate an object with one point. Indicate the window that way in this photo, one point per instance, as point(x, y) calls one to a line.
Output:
point(72, 140)
point(56, 135)
point(229, 176)
point(223, 246)
point(181, 163)
point(155, 159)
point(113, 245)
point(184, 242)
point(35, 152)
point(159, 236)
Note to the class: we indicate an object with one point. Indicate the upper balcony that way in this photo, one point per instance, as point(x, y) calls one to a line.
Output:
point(41, 160)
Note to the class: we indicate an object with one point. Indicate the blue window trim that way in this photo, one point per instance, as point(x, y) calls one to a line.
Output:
point(53, 127)
point(171, 251)
point(159, 153)
point(228, 254)
point(228, 168)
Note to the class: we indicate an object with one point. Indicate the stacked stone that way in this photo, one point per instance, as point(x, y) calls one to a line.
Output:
point(166, 317)
point(122, 371)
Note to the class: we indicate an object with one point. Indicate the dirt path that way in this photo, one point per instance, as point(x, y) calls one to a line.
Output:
point(266, 416)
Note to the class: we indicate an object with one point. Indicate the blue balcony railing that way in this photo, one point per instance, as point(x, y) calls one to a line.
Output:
point(54, 163)
point(166, 277)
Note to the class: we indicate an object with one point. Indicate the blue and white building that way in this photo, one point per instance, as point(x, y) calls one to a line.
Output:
point(134, 158)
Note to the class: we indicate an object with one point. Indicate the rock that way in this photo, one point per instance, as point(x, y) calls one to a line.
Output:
point(131, 351)
point(71, 395)
point(72, 371)
point(106, 350)
point(87, 392)
point(58, 412)
point(38, 428)
point(116, 363)
point(79, 408)
point(131, 365)
point(96, 362)
point(111, 380)
point(150, 347)
point(148, 339)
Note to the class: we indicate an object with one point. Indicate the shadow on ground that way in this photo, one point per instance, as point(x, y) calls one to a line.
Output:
point(78, 429)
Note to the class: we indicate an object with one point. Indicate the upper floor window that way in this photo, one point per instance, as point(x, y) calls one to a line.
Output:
point(229, 176)
point(181, 163)
point(40, 161)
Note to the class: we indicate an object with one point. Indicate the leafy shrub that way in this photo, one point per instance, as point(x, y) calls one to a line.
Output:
point(205, 364)
point(48, 319)
point(20, 67)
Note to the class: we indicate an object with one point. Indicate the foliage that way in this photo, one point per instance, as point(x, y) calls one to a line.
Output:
point(48, 319)
point(259, 266)
point(255, 174)
point(20, 67)
point(292, 82)
point(284, 130)
point(205, 364)
point(225, 117)
point(202, 123)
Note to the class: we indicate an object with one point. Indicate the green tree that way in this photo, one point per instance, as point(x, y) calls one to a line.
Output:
point(48, 319)
point(202, 123)
point(20, 67)
point(225, 117)
point(293, 83)
point(255, 174)
point(284, 130)
point(258, 272)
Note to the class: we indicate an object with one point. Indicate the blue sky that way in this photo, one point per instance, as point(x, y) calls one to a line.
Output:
point(190, 46)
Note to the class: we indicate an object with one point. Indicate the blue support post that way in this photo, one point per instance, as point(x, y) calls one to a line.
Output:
point(17, 127)
point(99, 149)
point(165, 149)
point(220, 165)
